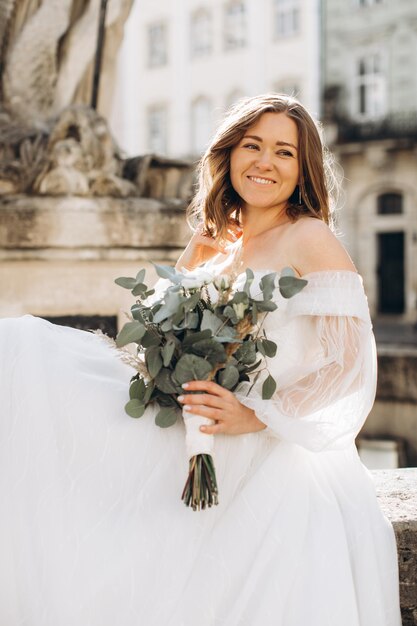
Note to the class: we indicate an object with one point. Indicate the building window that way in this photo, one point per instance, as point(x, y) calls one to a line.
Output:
point(201, 127)
point(368, 3)
point(201, 33)
point(390, 203)
point(157, 44)
point(370, 91)
point(235, 25)
point(157, 130)
point(286, 18)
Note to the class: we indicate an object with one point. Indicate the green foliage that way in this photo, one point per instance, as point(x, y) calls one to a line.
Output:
point(191, 367)
point(131, 332)
point(268, 388)
point(167, 417)
point(181, 335)
point(289, 284)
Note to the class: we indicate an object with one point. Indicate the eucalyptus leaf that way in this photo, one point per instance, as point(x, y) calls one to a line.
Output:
point(260, 347)
point(137, 389)
point(289, 286)
point(253, 367)
point(211, 349)
point(191, 302)
point(266, 305)
point(148, 393)
point(167, 352)
point(136, 311)
point(167, 417)
point(193, 337)
point(166, 271)
point(191, 367)
point(163, 399)
point(125, 282)
point(240, 297)
point(270, 347)
point(151, 338)
point(211, 322)
point(254, 312)
point(246, 353)
point(139, 289)
point(131, 332)
point(165, 383)
point(140, 276)
point(135, 408)
point(193, 320)
point(249, 280)
point(229, 312)
point(153, 360)
point(172, 302)
point(267, 284)
point(228, 377)
point(268, 388)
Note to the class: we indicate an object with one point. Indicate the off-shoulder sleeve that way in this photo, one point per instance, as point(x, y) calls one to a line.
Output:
point(326, 393)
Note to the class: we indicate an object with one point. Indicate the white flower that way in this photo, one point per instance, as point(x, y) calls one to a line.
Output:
point(240, 310)
point(195, 279)
point(222, 282)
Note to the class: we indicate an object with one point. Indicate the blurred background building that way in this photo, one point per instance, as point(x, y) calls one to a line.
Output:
point(76, 211)
point(193, 59)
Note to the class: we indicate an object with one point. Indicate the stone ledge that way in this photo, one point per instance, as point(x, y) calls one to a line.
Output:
point(397, 496)
point(31, 223)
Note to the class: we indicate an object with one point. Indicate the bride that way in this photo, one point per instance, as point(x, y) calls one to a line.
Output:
point(93, 531)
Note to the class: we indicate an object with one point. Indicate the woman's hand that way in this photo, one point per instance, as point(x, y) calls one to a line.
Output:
point(202, 248)
point(220, 405)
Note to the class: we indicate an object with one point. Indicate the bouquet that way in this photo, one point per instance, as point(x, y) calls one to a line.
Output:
point(183, 335)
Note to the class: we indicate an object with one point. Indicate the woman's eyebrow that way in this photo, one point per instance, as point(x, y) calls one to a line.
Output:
point(278, 143)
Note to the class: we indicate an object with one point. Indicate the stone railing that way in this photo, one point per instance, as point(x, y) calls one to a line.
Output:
point(397, 496)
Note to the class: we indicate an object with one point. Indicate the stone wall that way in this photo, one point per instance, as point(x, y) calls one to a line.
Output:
point(394, 414)
point(397, 496)
point(60, 256)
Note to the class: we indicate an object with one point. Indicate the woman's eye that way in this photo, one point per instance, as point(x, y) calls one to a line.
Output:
point(285, 153)
point(252, 146)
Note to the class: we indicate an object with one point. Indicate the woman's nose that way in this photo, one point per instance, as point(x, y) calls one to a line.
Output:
point(264, 160)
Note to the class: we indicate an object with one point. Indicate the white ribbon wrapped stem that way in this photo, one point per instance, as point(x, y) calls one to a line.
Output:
point(197, 442)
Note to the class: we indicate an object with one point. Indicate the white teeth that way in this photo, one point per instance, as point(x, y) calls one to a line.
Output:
point(263, 181)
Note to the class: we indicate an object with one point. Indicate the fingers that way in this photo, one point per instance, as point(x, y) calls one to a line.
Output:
point(203, 411)
point(212, 430)
point(205, 399)
point(208, 386)
point(215, 244)
point(234, 233)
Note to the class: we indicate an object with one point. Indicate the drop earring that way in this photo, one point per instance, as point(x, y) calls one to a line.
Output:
point(300, 201)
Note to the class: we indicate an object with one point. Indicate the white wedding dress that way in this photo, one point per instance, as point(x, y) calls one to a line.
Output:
point(93, 531)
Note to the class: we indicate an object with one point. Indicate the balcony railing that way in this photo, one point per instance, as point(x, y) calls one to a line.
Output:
point(393, 126)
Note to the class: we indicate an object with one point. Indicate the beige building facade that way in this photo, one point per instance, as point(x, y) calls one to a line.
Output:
point(370, 114)
point(184, 63)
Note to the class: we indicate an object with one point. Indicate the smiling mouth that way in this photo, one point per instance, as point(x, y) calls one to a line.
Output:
point(262, 181)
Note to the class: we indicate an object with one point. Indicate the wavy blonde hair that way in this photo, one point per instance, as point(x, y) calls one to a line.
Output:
point(217, 205)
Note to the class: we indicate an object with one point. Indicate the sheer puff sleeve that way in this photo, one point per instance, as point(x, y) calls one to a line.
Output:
point(325, 367)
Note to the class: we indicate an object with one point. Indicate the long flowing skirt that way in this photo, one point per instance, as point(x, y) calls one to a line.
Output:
point(93, 531)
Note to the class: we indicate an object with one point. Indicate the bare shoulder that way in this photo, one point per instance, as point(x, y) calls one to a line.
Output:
point(314, 247)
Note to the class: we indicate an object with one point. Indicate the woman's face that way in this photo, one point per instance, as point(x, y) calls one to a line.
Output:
point(264, 165)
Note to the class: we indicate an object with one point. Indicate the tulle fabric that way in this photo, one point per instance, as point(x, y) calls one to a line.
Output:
point(325, 367)
point(92, 527)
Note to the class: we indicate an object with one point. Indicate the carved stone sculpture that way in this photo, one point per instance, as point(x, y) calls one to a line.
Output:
point(51, 141)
